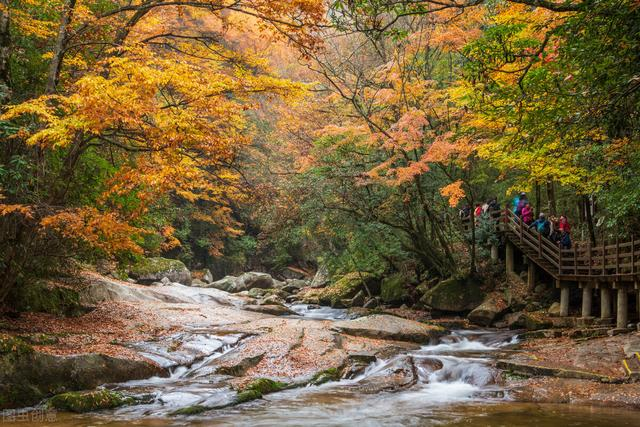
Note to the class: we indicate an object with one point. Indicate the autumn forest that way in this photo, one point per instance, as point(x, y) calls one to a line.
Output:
point(365, 172)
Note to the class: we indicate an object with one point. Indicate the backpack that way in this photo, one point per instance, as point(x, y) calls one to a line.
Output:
point(543, 228)
point(521, 204)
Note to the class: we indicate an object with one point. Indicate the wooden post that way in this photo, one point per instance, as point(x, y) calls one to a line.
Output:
point(559, 259)
point(617, 255)
point(590, 257)
point(587, 294)
point(633, 255)
point(520, 222)
point(540, 245)
point(509, 258)
point(605, 302)
point(564, 299)
point(623, 307)
point(604, 258)
point(531, 276)
point(494, 253)
point(575, 259)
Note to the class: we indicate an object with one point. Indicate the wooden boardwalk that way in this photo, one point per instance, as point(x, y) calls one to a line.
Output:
point(606, 267)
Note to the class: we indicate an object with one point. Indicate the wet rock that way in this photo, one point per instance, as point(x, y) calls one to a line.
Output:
point(397, 374)
point(364, 358)
point(297, 283)
point(331, 374)
point(382, 326)
point(236, 365)
point(529, 370)
point(88, 401)
point(274, 310)
point(428, 364)
point(527, 321)
point(27, 376)
point(491, 309)
point(453, 296)
point(149, 270)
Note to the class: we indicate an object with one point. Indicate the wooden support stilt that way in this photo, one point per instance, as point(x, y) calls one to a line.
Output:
point(509, 258)
point(622, 318)
point(564, 299)
point(605, 302)
point(587, 295)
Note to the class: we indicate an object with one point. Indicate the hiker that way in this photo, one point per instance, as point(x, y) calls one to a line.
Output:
point(527, 214)
point(465, 212)
point(563, 224)
point(478, 211)
point(494, 205)
point(555, 234)
point(485, 207)
point(542, 225)
point(565, 240)
point(519, 203)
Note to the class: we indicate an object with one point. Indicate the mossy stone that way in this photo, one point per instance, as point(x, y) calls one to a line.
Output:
point(331, 374)
point(150, 270)
point(81, 402)
point(39, 298)
point(191, 410)
point(454, 295)
point(393, 290)
point(247, 396)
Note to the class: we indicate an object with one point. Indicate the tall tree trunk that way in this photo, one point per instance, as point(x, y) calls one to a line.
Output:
point(5, 50)
point(552, 206)
point(60, 46)
point(589, 218)
point(538, 199)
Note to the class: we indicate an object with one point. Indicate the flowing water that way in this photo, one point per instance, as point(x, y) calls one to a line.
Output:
point(454, 385)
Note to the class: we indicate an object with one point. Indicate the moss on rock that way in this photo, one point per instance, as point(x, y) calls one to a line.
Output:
point(149, 270)
point(38, 297)
point(393, 290)
point(331, 374)
point(343, 289)
point(257, 388)
point(454, 295)
point(81, 402)
point(190, 410)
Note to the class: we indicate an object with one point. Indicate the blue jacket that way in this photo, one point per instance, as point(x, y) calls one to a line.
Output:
point(542, 225)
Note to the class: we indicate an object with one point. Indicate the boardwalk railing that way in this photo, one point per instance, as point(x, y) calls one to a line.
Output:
point(606, 262)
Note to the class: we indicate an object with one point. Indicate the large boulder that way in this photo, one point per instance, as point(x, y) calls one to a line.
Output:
point(321, 279)
point(393, 290)
point(490, 310)
point(341, 292)
point(528, 321)
point(453, 296)
point(227, 284)
point(26, 376)
point(383, 326)
point(41, 297)
point(150, 270)
point(252, 280)
point(244, 282)
point(100, 289)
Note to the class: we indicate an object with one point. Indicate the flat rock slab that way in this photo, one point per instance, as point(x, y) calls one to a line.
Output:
point(546, 371)
point(383, 326)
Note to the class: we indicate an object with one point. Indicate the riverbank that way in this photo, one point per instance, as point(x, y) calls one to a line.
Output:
point(214, 337)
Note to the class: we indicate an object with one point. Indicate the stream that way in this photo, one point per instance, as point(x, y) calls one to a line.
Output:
point(456, 386)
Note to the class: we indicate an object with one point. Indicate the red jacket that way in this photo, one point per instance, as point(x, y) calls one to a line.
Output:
point(563, 225)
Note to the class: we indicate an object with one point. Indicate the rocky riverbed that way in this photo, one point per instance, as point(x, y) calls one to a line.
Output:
point(174, 350)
